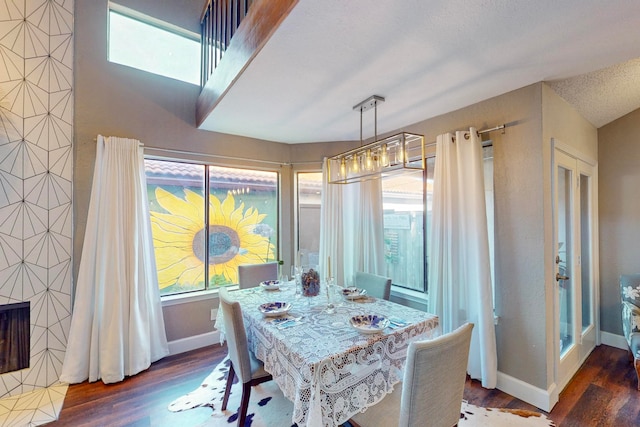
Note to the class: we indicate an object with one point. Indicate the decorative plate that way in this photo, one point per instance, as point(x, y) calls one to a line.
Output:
point(274, 308)
point(270, 285)
point(353, 293)
point(369, 323)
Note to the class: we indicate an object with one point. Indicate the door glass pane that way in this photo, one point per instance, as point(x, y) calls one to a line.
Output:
point(585, 249)
point(564, 259)
point(309, 198)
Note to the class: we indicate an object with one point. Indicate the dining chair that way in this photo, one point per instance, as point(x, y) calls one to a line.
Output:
point(432, 386)
point(249, 370)
point(630, 296)
point(250, 275)
point(376, 286)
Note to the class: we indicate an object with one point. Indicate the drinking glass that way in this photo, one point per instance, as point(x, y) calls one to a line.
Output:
point(328, 284)
point(296, 272)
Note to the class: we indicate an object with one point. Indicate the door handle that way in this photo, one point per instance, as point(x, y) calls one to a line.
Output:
point(561, 277)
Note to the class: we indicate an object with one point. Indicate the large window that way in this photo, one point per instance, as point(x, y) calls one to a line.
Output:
point(141, 42)
point(207, 220)
point(407, 207)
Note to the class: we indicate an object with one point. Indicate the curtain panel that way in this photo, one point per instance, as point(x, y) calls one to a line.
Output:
point(117, 328)
point(459, 266)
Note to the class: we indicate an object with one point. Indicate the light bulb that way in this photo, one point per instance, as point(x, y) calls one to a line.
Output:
point(355, 164)
point(368, 162)
point(400, 153)
point(343, 167)
point(384, 156)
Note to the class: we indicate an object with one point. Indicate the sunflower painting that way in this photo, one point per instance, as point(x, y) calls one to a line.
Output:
point(179, 239)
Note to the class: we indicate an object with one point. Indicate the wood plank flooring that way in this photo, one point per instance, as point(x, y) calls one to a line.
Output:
point(603, 393)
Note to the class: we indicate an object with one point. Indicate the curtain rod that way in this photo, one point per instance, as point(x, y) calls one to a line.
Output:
point(217, 156)
point(480, 132)
point(501, 127)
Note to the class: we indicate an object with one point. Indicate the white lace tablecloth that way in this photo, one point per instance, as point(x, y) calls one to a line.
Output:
point(327, 368)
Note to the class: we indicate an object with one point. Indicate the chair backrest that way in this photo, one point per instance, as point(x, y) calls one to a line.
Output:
point(376, 286)
point(630, 288)
point(250, 275)
point(235, 335)
point(434, 378)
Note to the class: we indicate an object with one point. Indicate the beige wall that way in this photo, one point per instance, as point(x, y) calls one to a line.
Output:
point(114, 100)
point(519, 247)
point(619, 206)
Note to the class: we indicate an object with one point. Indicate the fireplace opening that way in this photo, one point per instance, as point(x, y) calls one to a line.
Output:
point(14, 337)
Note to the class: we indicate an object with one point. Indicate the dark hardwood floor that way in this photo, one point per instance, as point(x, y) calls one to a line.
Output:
point(603, 393)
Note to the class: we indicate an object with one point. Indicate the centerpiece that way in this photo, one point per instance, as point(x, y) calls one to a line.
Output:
point(310, 279)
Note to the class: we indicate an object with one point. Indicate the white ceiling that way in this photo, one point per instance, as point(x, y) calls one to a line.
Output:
point(428, 58)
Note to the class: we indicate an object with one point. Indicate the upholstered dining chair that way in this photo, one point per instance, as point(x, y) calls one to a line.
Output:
point(432, 385)
point(249, 370)
point(250, 275)
point(376, 286)
point(630, 294)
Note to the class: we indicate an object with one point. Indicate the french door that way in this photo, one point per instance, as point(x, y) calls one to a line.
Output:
point(574, 213)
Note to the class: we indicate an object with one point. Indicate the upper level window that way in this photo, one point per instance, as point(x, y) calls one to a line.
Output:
point(151, 45)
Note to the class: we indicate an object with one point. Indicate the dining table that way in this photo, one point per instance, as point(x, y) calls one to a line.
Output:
point(329, 368)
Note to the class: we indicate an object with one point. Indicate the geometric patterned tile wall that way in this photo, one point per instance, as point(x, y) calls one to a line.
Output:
point(36, 161)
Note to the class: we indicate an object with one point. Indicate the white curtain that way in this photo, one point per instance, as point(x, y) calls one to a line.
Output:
point(351, 227)
point(117, 328)
point(459, 265)
point(331, 228)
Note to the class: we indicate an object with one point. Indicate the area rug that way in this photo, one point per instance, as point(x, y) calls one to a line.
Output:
point(266, 411)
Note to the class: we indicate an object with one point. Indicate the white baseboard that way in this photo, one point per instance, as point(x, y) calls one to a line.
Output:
point(546, 399)
point(613, 340)
point(192, 343)
point(543, 399)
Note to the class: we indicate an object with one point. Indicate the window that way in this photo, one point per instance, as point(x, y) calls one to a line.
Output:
point(207, 220)
point(148, 44)
point(407, 206)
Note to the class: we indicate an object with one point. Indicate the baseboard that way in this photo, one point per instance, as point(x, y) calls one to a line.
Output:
point(191, 343)
point(543, 399)
point(613, 340)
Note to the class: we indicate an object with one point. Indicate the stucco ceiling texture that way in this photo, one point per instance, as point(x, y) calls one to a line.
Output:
point(428, 58)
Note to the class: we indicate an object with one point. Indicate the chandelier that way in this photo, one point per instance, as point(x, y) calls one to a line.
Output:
point(397, 153)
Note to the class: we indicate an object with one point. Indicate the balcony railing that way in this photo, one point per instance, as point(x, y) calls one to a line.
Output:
point(219, 22)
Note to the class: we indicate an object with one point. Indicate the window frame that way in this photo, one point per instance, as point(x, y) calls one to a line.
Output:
point(196, 294)
point(159, 24)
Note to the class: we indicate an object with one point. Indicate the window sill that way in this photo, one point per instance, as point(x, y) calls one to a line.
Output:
point(413, 298)
point(190, 297)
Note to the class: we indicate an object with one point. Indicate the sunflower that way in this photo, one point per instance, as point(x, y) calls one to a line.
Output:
point(179, 239)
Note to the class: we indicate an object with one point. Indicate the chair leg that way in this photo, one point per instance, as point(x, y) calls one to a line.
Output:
point(244, 404)
point(227, 391)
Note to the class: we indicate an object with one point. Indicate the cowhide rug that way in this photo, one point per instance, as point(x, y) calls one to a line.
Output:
point(266, 411)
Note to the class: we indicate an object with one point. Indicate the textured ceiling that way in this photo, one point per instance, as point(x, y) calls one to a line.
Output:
point(603, 95)
point(428, 58)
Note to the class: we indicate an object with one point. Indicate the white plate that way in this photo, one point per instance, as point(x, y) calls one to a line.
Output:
point(274, 308)
point(270, 285)
point(353, 293)
point(369, 323)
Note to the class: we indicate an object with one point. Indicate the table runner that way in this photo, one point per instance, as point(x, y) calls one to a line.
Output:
point(329, 370)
